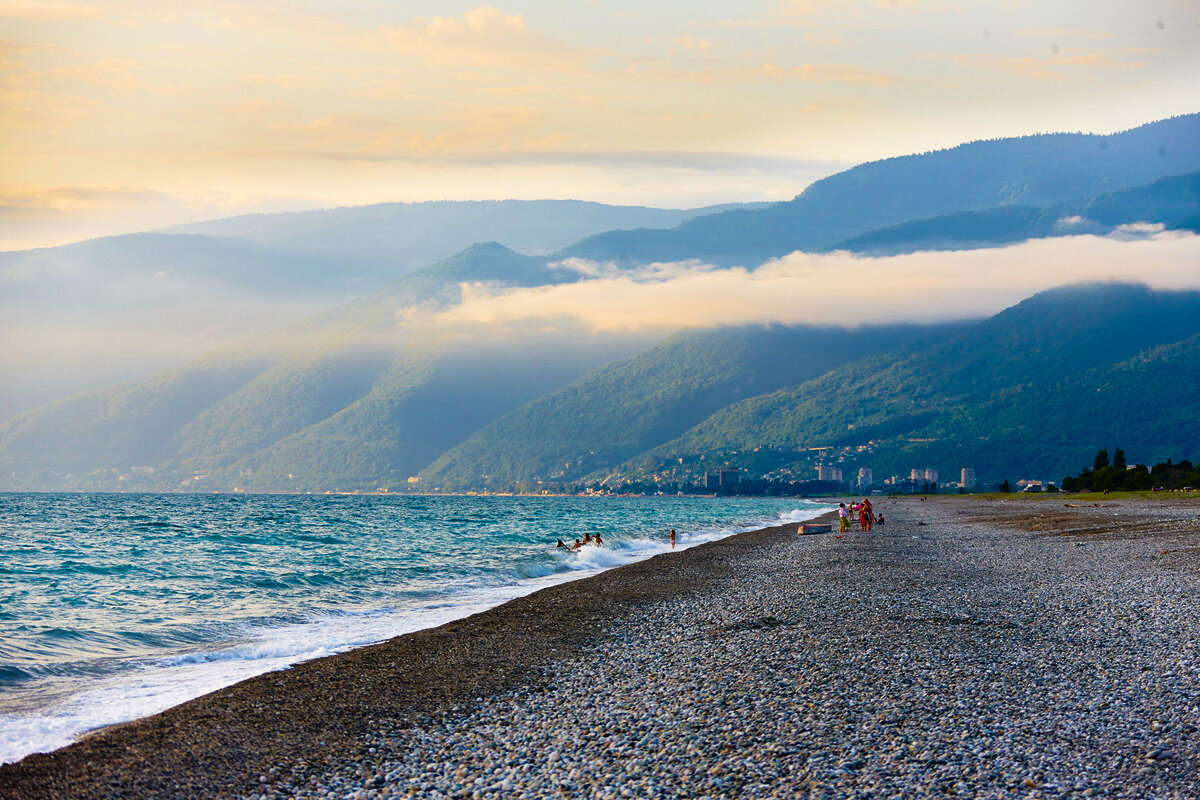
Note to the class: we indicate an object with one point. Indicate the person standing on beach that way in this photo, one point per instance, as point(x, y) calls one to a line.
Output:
point(843, 518)
point(672, 538)
point(866, 515)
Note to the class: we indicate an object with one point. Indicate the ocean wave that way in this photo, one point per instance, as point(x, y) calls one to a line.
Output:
point(468, 573)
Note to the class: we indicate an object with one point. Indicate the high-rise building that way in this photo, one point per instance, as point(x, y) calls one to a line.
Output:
point(967, 481)
point(865, 478)
point(828, 473)
point(931, 475)
point(926, 475)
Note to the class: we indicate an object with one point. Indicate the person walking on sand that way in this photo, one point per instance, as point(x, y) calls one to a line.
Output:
point(843, 518)
point(672, 538)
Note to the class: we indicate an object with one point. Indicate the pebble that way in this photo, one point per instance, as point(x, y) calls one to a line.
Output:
point(975, 660)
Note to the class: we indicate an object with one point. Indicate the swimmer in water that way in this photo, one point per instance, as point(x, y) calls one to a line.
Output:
point(578, 544)
point(587, 538)
point(560, 545)
point(672, 538)
point(598, 541)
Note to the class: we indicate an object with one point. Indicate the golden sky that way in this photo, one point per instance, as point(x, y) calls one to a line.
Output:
point(126, 115)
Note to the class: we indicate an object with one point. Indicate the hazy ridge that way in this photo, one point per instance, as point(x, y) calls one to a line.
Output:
point(372, 392)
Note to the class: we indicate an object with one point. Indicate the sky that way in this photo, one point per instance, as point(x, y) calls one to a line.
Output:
point(124, 115)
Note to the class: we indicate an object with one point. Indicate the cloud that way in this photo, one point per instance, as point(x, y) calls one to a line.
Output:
point(682, 44)
point(1050, 68)
point(820, 73)
point(1064, 33)
point(23, 200)
point(765, 22)
point(484, 35)
point(49, 10)
point(834, 288)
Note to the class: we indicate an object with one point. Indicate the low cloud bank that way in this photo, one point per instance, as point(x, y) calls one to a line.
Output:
point(835, 288)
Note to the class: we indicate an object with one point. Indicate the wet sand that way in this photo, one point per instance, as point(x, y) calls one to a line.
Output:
point(981, 647)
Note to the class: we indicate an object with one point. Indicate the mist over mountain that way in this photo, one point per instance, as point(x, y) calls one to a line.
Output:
point(120, 307)
point(347, 398)
point(1029, 392)
point(393, 238)
point(494, 368)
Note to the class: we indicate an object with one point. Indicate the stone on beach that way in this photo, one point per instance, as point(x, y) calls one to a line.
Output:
point(969, 649)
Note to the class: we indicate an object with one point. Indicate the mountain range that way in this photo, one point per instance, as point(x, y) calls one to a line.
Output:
point(369, 395)
point(92, 313)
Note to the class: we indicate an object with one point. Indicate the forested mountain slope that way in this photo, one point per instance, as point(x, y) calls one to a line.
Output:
point(632, 406)
point(349, 380)
point(1035, 387)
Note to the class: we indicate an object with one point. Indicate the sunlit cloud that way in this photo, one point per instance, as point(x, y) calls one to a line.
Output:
point(1064, 33)
point(364, 102)
point(483, 35)
point(839, 73)
point(54, 10)
point(836, 288)
point(1048, 68)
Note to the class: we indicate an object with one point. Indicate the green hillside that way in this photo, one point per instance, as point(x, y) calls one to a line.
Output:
point(344, 400)
point(1034, 388)
point(627, 408)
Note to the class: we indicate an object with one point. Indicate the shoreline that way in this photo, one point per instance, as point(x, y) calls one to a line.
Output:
point(948, 594)
point(572, 617)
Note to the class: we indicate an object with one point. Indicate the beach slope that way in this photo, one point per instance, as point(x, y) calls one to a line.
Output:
point(970, 646)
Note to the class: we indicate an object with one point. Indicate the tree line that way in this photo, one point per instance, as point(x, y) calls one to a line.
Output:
point(1116, 475)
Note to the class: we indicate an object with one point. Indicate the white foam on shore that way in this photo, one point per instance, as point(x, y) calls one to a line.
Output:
point(156, 685)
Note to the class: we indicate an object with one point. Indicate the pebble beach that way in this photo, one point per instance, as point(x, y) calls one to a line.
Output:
point(977, 648)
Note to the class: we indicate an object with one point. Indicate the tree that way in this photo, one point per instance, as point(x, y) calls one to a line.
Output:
point(1101, 460)
point(1119, 459)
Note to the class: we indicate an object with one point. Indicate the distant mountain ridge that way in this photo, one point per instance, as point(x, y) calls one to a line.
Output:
point(366, 394)
point(244, 276)
point(343, 399)
point(1035, 170)
point(399, 237)
point(1173, 202)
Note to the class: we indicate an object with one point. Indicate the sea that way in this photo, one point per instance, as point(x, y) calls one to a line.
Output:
point(117, 606)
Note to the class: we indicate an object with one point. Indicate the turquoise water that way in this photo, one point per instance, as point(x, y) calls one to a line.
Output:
point(115, 606)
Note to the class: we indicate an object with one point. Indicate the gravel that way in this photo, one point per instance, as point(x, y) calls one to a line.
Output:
point(967, 648)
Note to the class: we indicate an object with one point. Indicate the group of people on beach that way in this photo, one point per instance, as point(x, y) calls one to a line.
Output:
point(588, 539)
point(860, 511)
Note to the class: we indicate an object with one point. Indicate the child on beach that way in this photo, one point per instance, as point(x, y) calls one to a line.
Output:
point(843, 518)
